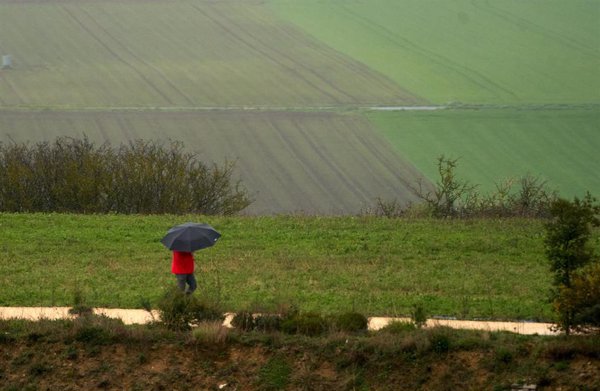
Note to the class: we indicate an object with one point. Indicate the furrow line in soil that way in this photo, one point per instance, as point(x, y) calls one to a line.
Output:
point(468, 74)
point(127, 49)
point(115, 55)
point(264, 53)
point(511, 18)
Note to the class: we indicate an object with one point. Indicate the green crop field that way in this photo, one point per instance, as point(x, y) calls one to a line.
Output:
point(507, 51)
point(475, 268)
point(311, 162)
point(174, 53)
point(558, 146)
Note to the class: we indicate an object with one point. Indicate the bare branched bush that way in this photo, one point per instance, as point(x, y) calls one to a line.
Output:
point(452, 197)
point(74, 175)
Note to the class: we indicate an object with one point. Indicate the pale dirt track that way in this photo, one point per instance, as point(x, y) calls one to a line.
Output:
point(137, 316)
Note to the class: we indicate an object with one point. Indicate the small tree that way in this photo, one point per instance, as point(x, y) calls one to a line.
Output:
point(451, 196)
point(568, 249)
point(583, 298)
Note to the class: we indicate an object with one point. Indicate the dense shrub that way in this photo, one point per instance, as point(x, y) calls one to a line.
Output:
point(582, 299)
point(440, 342)
point(74, 175)
point(243, 320)
point(306, 323)
point(179, 311)
point(351, 321)
point(399, 327)
point(267, 323)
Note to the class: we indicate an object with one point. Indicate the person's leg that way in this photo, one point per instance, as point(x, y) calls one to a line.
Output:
point(181, 279)
point(191, 280)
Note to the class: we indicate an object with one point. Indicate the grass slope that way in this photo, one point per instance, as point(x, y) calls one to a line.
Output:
point(181, 53)
point(492, 269)
point(507, 51)
point(559, 146)
point(290, 162)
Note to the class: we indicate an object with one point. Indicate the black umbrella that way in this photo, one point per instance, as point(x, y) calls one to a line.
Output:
point(190, 237)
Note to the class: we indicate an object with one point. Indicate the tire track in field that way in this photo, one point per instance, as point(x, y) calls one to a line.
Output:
point(101, 128)
point(12, 87)
point(340, 173)
point(385, 160)
point(467, 73)
point(293, 60)
point(115, 55)
point(138, 58)
point(342, 61)
point(300, 157)
point(370, 75)
point(276, 168)
point(528, 24)
point(265, 53)
point(379, 158)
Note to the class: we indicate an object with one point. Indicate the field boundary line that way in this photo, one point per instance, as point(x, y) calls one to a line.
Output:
point(328, 108)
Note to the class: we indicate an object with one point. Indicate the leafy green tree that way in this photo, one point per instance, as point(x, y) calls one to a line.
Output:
point(568, 249)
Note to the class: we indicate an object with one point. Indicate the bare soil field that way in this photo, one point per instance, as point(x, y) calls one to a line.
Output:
point(310, 162)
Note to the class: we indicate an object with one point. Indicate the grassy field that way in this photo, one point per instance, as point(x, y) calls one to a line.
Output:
point(311, 162)
point(174, 53)
point(509, 51)
point(559, 146)
point(469, 269)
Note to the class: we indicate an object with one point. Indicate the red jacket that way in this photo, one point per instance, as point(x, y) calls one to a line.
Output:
point(183, 263)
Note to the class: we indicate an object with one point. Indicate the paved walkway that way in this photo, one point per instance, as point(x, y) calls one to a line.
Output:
point(136, 316)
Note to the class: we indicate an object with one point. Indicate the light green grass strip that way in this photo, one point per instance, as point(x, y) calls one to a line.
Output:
point(559, 146)
point(379, 266)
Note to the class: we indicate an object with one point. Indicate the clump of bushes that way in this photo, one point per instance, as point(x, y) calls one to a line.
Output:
point(351, 322)
point(452, 197)
point(75, 175)
point(243, 320)
point(399, 327)
point(179, 311)
point(305, 323)
point(296, 322)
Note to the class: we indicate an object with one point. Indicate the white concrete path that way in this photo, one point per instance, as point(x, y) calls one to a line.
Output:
point(137, 316)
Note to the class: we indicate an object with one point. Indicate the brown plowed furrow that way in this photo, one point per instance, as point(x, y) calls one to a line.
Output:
point(138, 58)
point(85, 28)
point(264, 52)
point(367, 74)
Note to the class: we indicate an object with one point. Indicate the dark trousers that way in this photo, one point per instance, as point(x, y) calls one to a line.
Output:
point(189, 279)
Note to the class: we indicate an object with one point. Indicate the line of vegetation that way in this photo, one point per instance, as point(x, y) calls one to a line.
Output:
point(453, 197)
point(141, 177)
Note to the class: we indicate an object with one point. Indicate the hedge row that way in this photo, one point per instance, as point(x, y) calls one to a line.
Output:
point(75, 175)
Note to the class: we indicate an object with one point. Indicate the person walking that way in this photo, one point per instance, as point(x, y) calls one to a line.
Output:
point(183, 240)
point(183, 268)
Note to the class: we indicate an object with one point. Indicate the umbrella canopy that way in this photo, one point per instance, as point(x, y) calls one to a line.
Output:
point(190, 237)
